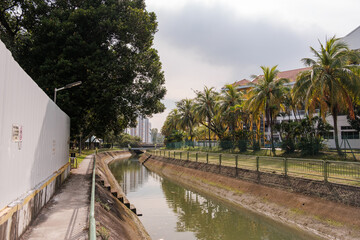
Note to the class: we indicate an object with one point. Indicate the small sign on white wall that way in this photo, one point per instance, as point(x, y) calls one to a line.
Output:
point(17, 134)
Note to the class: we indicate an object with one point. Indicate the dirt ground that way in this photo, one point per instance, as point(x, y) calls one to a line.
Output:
point(323, 218)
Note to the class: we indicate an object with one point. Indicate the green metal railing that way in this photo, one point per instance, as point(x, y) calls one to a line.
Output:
point(92, 228)
point(333, 171)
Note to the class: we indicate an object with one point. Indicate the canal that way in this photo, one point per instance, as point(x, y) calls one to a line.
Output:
point(171, 211)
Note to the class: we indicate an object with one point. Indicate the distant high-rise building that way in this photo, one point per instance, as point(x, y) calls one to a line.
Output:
point(142, 130)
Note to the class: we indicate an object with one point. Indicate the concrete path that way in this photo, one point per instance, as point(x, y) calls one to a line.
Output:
point(66, 215)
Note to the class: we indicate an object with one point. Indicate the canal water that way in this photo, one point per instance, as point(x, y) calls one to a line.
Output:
point(171, 211)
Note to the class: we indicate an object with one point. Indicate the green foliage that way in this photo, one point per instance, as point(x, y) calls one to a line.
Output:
point(267, 95)
point(103, 232)
point(226, 142)
point(312, 131)
point(355, 122)
point(154, 135)
point(305, 135)
point(175, 136)
point(125, 139)
point(288, 131)
point(105, 44)
point(256, 146)
point(332, 81)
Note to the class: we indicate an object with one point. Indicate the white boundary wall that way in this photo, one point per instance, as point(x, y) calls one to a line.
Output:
point(44, 144)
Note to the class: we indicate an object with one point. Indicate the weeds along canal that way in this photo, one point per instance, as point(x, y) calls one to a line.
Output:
point(171, 211)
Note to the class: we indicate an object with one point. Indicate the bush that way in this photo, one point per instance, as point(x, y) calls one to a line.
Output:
point(288, 146)
point(242, 145)
point(310, 146)
point(226, 144)
point(256, 146)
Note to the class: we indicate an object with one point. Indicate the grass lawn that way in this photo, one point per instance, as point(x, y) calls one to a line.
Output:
point(87, 152)
point(312, 168)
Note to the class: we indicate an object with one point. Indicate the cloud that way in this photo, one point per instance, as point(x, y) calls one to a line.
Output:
point(222, 38)
point(217, 42)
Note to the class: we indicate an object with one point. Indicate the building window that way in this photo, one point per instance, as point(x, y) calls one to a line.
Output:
point(350, 135)
point(346, 128)
point(329, 135)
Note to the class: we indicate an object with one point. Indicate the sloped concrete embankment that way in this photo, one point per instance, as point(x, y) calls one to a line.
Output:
point(117, 218)
point(329, 211)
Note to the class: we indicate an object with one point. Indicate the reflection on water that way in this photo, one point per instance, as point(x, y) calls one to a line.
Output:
point(171, 211)
point(134, 177)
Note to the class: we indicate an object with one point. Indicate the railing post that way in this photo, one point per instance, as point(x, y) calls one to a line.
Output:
point(326, 163)
point(220, 159)
point(257, 164)
point(207, 158)
point(92, 232)
point(196, 157)
point(285, 167)
point(188, 156)
point(236, 161)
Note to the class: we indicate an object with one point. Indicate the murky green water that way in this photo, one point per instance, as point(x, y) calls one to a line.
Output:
point(171, 211)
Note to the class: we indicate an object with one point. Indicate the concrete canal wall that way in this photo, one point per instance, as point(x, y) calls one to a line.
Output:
point(119, 217)
point(294, 202)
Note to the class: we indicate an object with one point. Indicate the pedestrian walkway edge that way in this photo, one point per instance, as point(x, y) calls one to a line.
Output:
point(17, 216)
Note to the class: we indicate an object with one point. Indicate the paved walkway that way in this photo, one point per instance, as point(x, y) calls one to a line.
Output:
point(66, 215)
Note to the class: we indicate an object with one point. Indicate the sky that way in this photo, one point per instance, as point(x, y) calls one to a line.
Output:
point(217, 42)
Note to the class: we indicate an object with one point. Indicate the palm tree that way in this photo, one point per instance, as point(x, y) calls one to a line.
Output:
point(267, 94)
point(187, 120)
point(207, 111)
point(332, 81)
point(229, 103)
point(171, 123)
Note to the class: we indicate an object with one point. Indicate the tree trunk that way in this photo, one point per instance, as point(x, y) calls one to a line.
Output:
point(334, 114)
point(295, 115)
point(272, 133)
point(209, 132)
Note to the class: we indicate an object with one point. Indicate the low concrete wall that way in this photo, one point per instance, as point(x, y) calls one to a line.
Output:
point(348, 195)
point(17, 216)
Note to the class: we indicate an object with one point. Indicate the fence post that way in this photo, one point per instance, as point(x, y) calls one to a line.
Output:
point(220, 159)
point(285, 167)
point(196, 157)
point(257, 164)
point(236, 161)
point(169, 154)
point(188, 156)
point(180, 155)
point(207, 158)
point(325, 170)
point(174, 154)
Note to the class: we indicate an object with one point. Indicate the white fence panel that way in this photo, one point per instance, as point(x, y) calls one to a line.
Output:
point(41, 146)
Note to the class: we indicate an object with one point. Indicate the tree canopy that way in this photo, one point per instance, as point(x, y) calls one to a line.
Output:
point(106, 44)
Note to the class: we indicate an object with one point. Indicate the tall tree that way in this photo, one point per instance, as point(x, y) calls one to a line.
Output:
point(332, 81)
point(171, 123)
point(227, 101)
point(154, 135)
point(106, 44)
point(207, 112)
point(187, 120)
point(267, 94)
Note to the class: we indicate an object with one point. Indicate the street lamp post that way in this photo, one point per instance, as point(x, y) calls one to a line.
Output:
point(70, 85)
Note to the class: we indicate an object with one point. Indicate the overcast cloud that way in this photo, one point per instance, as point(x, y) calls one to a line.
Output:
point(214, 43)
